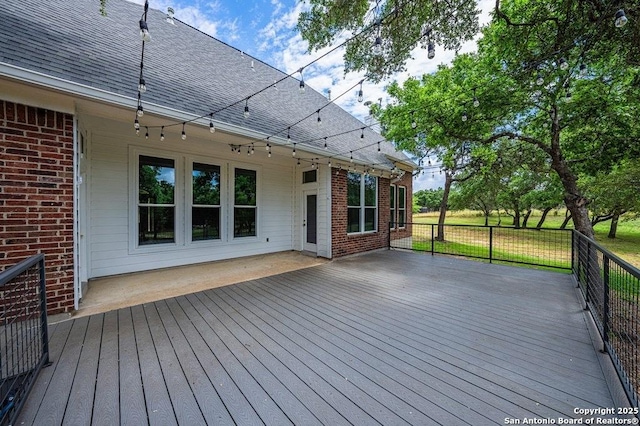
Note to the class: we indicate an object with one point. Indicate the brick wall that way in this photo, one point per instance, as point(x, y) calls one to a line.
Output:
point(407, 181)
point(343, 244)
point(36, 195)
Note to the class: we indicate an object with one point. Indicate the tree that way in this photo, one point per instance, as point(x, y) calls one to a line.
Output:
point(385, 34)
point(429, 198)
point(401, 25)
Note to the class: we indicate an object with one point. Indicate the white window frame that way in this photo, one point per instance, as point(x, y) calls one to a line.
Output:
point(232, 201)
point(363, 207)
point(189, 201)
point(393, 198)
point(402, 189)
point(134, 179)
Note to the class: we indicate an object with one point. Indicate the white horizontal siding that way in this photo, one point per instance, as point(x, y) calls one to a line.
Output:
point(110, 234)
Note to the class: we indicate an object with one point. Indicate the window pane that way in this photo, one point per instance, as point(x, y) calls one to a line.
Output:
point(353, 189)
point(156, 225)
point(206, 184)
point(205, 223)
point(309, 176)
point(370, 183)
point(157, 180)
point(370, 219)
point(244, 222)
point(401, 218)
point(402, 197)
point(353, 220)
point(245, 187)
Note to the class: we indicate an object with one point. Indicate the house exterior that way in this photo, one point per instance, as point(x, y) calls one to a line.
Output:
point(80, 185)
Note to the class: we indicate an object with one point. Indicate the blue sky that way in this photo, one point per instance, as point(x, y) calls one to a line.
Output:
point(265, 29)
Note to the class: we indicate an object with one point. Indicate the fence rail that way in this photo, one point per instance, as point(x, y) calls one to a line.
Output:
point(24, 341)
point(610, 286)
point(611, 290)
point(529, 246)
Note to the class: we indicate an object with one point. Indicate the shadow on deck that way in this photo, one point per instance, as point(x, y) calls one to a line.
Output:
point(387, 337)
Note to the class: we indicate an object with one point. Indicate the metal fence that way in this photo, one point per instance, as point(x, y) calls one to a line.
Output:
point(611, 290)
point(529, 246)
point(24, 346)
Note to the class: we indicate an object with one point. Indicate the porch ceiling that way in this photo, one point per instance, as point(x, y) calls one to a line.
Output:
point(387, 337)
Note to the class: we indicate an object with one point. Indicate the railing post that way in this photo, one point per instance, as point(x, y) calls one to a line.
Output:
point(43, 312)
point(605, 308)
point(432, 240)
point(389, 238)
point(490, 244)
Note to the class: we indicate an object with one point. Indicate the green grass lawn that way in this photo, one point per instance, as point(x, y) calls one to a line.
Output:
point(626, 244)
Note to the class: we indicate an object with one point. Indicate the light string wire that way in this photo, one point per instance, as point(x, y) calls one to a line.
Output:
point(245, 99)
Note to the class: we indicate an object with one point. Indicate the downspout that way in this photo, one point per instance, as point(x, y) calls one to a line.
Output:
point(76, 196)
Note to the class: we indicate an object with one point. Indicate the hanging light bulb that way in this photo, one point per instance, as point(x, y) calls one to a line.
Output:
point(329, 95)
point(184, 134)
point(146, 135)
point(248, 151)
point(360, 93)
point(583, 70)
point(162, 134)
point(563, 64)
point(142, 86)
point(413, 121)
point(539, 79)
point(288, 134)
point(351, 156)
point(378, 146)
point(246, 109)
point(313, 166)
point(319, 119)
point(464, 116)
point(267, 146)
point(476, 102)
point(301, 82)
point(329, 163)
point(144, 31)
point(212, 128)
point(252, 150)
point(362, 133)
point(431, 50)
point(293, 153)
point(567, 96)
point(325, 142)
point(170, 13)
point(275, 85)
point(136, 124)
point(620, 19)
point(377, 46)
point(298, 163)
point(252, 67)
point(140, 111)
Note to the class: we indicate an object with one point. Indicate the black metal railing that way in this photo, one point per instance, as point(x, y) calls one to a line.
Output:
point(528, 246)
point(24, 342)
point(611, 290)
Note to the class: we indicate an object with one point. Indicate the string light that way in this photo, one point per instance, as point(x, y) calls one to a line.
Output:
point(146, 135)
point(136, 124)
point(351, 156)
point(288, 134)
point(431, 50)
point(301, 81)
point(140, 111)
point(583, 70)
point(325, 142)
point(269, 151)
point(162, 134)
point(252, 149)
point(142, 86)
point(377, 46)
point(246, 109)
point(539, 79)
point(212, 128)
point(329, 95)
point(563, 64)
point(184, 135)
point(360, 93)
point(476, 102)
point(298, 162)
point(319, 119)
point(144, 31)
point(252, 67)
point(378, 146)
point(293, 153)
point(413, 121)
point(620, 19)
point(464, 116)
point(362, 134)
point(329, 163)
point(275, 85)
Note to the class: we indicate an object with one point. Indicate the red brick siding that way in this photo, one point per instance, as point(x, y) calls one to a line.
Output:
point(405, 181)
point(343, 244)
point(36, 195)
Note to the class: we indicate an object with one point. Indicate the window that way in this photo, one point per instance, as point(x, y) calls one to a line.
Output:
point(245, 206)
point(309, 176)
point(205, 207)
point(392, 206)
point(362, 203)
point(156, 200)
point(402, 206)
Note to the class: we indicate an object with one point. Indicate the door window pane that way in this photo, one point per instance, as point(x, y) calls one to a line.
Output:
point(245, 199)
point(205, 210)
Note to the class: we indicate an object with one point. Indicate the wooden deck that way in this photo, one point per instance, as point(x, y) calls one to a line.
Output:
point(383, 338)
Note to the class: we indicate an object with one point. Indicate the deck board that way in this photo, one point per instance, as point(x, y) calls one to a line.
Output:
point(384, 338)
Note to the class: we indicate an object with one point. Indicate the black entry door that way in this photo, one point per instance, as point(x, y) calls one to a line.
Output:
point(312, 232)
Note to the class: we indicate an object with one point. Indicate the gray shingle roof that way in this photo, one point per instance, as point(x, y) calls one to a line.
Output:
point(184, 69)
